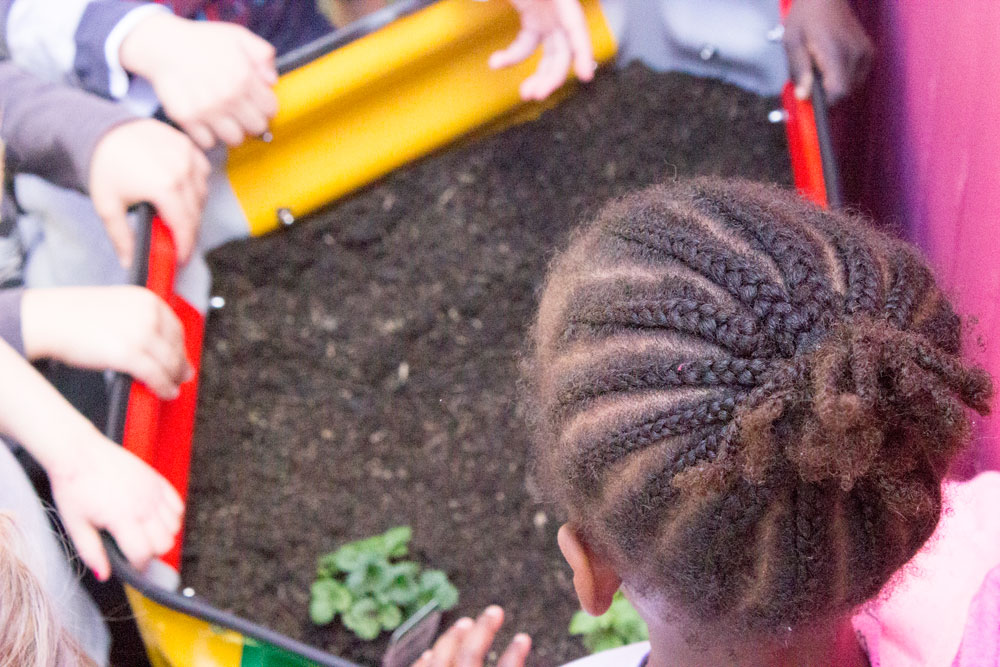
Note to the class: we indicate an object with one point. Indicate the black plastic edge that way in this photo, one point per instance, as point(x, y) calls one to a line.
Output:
point(364, 26)
point(831, 173)
point(120, 567)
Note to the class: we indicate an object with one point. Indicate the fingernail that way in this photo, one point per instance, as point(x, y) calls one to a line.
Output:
point(801, 92)
point(522, 638)
point(494, 611)
point(464, 623)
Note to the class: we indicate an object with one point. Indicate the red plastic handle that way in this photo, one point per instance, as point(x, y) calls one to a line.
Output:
point(160, 432)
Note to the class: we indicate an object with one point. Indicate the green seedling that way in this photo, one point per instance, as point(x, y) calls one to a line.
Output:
point(618, 626)
point(371, 589)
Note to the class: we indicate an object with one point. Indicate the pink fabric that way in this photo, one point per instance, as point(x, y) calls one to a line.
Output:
point(923, 153)
point(943, 608)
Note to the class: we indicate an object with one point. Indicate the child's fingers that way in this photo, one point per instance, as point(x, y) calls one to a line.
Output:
point(264, 99)
point(150, 372)
point(523, 46)
point(158, 536)
point(117, 227)
point(476, 643)
point(551, 71)
point(180, 211)
point(228, 130)
point(800, 66)
point(170, 518)
point(88, 545)
point(200, 134)
point(132, 540)
point(445, 648)
point(517, 652)
point(172, 498)
point(252, 119)
point(575, 23)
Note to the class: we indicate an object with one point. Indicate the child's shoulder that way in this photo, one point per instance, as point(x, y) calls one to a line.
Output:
point(933, 611)
point(625, 656)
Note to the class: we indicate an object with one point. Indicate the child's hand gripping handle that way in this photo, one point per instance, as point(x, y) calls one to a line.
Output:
point(134, 415)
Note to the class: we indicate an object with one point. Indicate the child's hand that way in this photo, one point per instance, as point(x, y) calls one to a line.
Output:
point(125, 328)
point(101, 486)
point(466, 644)
point(146, 160)
point(213, 79)
point(561, 28)
point(827, 33)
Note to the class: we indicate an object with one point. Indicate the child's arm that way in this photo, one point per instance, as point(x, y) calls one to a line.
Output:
point(560, 27)
point(213, 79)
point(96, 484)
point(127, 329)
point(78, 140)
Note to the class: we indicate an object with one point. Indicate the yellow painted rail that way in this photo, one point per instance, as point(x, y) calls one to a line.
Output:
point(355, 114)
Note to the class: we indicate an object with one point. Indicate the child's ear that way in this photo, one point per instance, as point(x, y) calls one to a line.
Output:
point(593, 578)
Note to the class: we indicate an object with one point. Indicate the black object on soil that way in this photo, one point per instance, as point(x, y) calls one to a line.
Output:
point(362, 374)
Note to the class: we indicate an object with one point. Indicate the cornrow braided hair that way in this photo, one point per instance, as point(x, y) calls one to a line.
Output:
point(746, 401)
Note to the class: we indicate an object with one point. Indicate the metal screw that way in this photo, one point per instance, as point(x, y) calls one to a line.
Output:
point(776, 34)
point(777, 116)
point(267, 137)
point(285, 217)
point(217, 302)
point(188, 592)
point(708, 51)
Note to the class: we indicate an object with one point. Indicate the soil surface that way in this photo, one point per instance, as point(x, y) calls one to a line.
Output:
point(362, 373)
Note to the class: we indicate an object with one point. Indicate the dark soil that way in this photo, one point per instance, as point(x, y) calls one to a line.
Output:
point(362, 373)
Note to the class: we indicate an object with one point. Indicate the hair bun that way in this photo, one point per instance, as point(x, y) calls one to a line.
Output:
point(845, 407)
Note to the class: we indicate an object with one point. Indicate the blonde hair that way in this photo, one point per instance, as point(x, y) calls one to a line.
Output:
point(30, 633)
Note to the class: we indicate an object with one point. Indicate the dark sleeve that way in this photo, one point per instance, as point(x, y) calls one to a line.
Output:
point(51, 130)
point(90, 64)
point(10, 318)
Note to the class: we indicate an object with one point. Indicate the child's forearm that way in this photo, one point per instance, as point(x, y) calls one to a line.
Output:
point(34, 414)
point(50, 129)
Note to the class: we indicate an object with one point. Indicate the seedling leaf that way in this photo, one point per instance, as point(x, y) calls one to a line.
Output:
point(363, 619)
point(395, 541)
point(390, 617)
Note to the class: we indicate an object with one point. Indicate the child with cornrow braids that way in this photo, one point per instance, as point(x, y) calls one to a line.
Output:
point(746, 408)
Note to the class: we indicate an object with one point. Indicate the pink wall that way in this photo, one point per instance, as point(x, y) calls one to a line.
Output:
point(924, 155)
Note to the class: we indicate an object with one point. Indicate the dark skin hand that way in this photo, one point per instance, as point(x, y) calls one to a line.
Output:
point(826, 34)
point(467, 643)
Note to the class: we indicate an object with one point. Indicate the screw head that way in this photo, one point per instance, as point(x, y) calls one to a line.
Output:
point(217, 302)
point(708, 51)
point(188, 592)
point(777, 116)
point(285, 217)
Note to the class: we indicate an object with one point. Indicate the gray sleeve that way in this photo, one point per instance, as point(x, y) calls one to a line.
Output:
point(51, 130)
point(10, 318)
point(71, 41)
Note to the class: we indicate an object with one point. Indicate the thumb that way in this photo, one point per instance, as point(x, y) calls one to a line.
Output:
point(117, 227)
point(800, 67)
point(88, 544)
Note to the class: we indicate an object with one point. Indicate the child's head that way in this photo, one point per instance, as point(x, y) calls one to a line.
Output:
point(30, 633)
point(746, 404)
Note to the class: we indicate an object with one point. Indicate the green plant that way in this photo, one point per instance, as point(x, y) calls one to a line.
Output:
point(361, 582)
point(618, 626)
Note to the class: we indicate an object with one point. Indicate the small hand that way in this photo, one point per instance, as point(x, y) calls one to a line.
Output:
point(122, 328)
point(213, 79)
point(466, 644)
point(104, 487)
point(146, 160)
point(561, 28)
point(825, 33)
